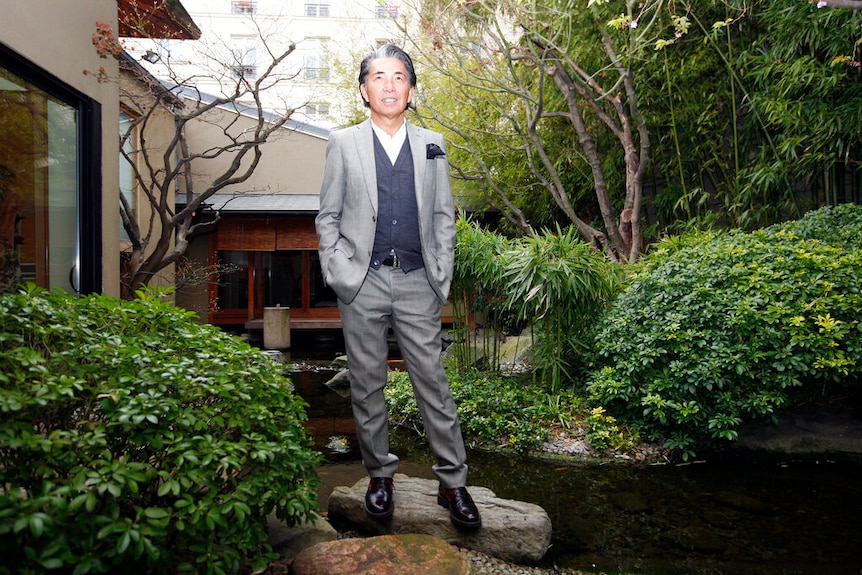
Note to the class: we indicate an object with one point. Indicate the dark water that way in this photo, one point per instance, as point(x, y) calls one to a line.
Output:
point(703, 518)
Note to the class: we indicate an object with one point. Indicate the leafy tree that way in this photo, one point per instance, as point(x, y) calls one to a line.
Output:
point(804, 84)
point(551, 281)
point(752, 114)
point(556, 84)
point(730, 113)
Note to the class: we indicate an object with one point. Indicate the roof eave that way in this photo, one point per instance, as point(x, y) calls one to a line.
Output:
point(157, 19)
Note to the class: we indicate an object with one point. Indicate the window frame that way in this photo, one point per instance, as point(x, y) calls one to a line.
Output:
point(243, 7)
point(89, 165)
point(317, 10)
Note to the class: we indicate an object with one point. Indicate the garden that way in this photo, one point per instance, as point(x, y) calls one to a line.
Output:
point(132, 433)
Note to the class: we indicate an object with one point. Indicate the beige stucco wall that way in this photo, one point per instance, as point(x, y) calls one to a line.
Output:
point(291, 161)
point(56, 35)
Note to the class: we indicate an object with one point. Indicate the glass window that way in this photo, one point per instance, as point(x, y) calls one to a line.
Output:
point(385, 11)
point(317, 110)
point(244, 50)
point(233, 286)
point(319, 10)
point(39, 187)
point(282, 279)
point(242, 6)
point(321, 294)
point(316, 67)
point(127, 175)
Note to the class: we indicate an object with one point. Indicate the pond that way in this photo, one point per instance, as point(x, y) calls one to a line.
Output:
point(713, 517)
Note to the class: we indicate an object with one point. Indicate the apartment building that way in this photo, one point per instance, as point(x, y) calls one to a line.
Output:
point(240, 38)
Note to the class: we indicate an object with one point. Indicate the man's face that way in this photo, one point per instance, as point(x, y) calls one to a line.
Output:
point(387, 88)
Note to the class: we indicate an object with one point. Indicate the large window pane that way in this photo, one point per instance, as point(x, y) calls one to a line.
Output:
point(233, 286)
point(321, 294)
point(282, 279)
point(127, 174)
point(39, 196)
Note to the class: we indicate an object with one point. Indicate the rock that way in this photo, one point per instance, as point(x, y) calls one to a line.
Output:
point(741, 502)
point(631, 502)
point(340, 383)
point(416, 554)
point(511, 530)
point(289, 541)
point(696, 538)
point(808, 433)
point(516, 349)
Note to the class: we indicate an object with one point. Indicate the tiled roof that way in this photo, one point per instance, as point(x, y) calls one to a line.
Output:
point(260, 202)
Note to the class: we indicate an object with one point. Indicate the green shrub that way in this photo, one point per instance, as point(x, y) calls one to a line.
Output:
point(132, 436)
point(495, 410)
point(717, 328)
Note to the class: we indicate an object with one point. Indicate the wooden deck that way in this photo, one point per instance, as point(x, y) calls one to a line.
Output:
point(319, 323)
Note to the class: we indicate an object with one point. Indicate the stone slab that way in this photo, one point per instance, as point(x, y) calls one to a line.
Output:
point(511, 530)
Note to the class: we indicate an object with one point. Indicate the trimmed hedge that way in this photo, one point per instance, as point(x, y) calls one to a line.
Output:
point(715, 328)
point(133, 438)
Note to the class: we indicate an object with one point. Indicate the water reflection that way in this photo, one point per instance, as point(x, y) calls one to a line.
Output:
point(703, 518)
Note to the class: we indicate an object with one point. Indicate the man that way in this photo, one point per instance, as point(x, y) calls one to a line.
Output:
point(386, 233)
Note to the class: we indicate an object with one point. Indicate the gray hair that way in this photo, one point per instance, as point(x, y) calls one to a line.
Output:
point(387, 51)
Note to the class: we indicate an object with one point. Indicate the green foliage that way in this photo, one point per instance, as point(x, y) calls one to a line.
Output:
point(605, 433)
point(476, 290)
point(132, 438)
point(553, 281)
point(494, 410)
point(559, 284)
point(717, 328)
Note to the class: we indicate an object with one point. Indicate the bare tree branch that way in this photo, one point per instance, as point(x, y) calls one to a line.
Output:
point(160, 168)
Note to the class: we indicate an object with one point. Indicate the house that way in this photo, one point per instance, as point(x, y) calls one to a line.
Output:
point(59, 150)
point(262, 245)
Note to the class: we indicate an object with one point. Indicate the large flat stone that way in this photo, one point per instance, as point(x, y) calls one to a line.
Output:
point(511, 530)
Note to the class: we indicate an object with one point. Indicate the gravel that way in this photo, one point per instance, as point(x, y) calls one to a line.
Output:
point(486, 565)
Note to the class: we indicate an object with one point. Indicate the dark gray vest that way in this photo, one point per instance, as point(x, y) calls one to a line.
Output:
point(397, 214)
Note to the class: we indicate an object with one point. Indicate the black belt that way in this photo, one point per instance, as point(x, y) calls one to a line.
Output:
point(392, 261)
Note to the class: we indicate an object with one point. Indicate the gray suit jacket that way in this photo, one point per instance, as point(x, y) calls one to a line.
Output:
point(347, 218)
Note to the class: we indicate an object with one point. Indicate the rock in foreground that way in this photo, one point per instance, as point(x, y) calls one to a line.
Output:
point(511, 530)
point(383, 555)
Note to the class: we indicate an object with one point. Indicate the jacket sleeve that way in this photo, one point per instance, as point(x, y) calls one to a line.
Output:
point(328, 218)
point(444, 224)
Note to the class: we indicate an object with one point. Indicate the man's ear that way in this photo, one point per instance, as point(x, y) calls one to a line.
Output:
point(363, 92)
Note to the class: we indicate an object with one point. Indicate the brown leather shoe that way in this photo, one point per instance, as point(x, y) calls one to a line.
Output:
point(462, 510)
point(378, 498)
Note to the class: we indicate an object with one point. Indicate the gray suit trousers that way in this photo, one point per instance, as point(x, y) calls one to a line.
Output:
point(407, 303)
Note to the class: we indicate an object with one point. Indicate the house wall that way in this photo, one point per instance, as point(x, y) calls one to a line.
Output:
point(57, 37)
point(291, 161)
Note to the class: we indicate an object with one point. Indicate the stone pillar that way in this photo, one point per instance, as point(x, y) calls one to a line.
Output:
point(276, 327)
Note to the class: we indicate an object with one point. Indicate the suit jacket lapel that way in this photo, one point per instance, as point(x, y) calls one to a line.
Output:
point(364, 141)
